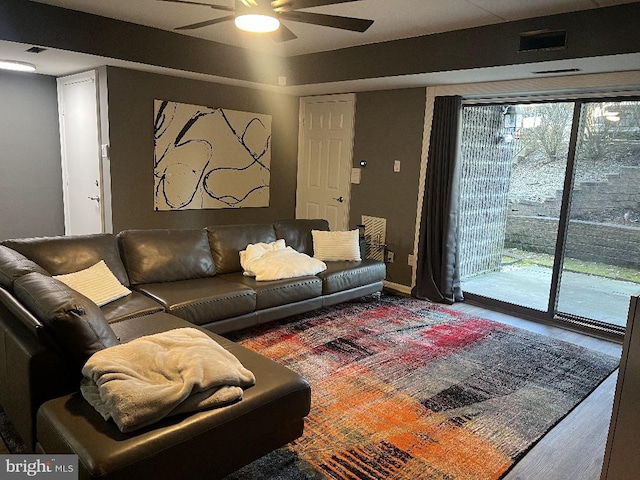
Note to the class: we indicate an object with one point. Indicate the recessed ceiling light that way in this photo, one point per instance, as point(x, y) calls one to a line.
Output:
point(17, 66)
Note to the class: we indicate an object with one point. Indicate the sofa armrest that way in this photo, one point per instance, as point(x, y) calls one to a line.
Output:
point(31, 371)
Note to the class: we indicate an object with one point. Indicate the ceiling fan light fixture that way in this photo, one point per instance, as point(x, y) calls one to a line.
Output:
point(265, 16)
point(257, 23)
point(17, 66)
point(256, 16)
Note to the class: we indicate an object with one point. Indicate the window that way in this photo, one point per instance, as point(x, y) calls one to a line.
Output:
point(550, 208)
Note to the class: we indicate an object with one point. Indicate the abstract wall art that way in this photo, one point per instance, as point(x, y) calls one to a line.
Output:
point(208, 157)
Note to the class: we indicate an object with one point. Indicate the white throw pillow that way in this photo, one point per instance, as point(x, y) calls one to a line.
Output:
point(97, 283)
point(336, 245)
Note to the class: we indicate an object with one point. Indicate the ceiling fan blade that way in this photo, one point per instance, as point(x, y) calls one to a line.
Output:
point(296, 4)
point(216, 7)
point(206, 23)
point(283, 34)
point(334, 21)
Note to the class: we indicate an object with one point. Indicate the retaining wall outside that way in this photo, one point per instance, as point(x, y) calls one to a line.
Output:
point(611, 244)
point(618, 193)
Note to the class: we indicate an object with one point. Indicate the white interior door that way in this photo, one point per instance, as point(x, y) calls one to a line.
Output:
point(80, 144)
point(325, 151)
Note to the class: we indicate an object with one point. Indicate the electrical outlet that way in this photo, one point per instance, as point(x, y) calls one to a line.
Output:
point(390, 256)
point(396, 166)
point(411, 260)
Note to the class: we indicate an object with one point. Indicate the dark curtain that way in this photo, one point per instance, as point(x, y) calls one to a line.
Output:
point(438, 270)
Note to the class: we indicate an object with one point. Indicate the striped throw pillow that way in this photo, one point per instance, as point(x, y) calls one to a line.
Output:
point(333, 246)
point(96, 283)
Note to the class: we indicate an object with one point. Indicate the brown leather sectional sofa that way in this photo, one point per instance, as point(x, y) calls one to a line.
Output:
point(178, 278)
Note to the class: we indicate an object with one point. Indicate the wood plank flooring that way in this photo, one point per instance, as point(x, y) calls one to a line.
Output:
point(574, 449)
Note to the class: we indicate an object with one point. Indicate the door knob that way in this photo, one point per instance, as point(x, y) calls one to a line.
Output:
point(339, 199)
point(97, 199)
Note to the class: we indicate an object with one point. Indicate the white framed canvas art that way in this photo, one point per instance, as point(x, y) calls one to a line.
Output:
point(207, 157)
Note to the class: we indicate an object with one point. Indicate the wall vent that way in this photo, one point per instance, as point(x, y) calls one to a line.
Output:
point(375, 233)
point(35, 50)
point(542, 40)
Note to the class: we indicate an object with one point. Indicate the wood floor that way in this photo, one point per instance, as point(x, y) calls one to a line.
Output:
point(574, 449)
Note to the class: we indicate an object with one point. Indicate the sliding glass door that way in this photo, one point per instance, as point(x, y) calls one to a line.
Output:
point(550, 203)
point(601, 261)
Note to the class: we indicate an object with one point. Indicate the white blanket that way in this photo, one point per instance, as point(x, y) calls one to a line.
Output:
point(274, 261)
point(149, 378)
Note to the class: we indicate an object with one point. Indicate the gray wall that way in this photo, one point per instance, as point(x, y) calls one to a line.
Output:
point(590, 33)
point(31, 178)
point(389, 126)
point(131, 95)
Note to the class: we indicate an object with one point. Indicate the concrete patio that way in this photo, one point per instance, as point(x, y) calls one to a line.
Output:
point(589, 296)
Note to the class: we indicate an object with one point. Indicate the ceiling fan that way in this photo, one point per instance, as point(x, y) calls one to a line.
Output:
point(276, 10)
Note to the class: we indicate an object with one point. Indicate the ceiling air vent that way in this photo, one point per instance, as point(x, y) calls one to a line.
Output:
point(542, 40)
point(557, 72)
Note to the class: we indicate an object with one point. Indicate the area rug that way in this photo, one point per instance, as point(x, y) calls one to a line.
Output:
point(9, 436)
point(407, 389)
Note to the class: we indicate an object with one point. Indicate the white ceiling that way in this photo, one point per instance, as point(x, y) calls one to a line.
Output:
point(393, 19)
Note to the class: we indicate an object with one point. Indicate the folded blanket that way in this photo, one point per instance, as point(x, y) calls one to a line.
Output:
point(149, 378)
point(274, 261)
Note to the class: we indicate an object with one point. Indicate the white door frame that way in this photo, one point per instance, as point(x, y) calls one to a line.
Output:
point(65, 142)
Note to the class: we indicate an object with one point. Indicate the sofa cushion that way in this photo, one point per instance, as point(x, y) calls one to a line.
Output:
point(228, 240)
point(166, 255)
point(274, 293)
point(14, 265)
point(208, 444)
point(135, 304)
point(135, 327)
point(344, 275)
point(60, 255)
point(297, 233)
point(77, 324)
point(202, 300)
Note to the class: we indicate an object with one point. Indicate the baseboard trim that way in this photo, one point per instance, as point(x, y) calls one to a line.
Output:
point(396, 287)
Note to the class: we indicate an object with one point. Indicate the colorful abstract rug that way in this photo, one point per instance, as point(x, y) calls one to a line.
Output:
point(407, 389)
